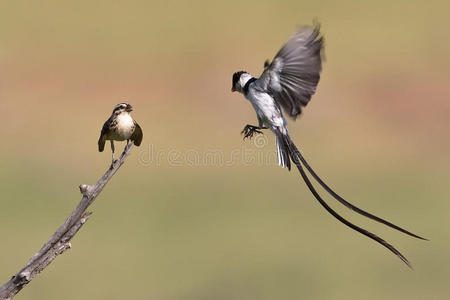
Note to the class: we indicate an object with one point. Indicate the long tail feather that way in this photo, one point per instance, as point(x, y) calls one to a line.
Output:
point(293, 152)
point(343, 201)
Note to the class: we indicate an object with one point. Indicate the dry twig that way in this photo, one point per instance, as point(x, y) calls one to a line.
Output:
point(59, 242)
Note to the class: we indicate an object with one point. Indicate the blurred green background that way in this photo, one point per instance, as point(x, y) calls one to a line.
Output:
point(167, 228)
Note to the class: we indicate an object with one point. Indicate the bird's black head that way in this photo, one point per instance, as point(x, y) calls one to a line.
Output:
point(236, 86)
point(122, 107)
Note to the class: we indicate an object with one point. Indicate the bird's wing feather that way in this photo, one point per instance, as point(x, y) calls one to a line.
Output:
point(102, 138)
point(294, 73)
point(137, 135)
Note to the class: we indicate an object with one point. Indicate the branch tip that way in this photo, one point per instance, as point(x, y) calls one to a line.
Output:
point(84, 188)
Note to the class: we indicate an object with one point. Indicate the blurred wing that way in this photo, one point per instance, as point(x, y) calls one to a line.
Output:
point(137, 135)
point(294, 73)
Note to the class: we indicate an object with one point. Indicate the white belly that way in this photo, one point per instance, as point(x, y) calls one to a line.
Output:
point(266, 108)
point(125, 127)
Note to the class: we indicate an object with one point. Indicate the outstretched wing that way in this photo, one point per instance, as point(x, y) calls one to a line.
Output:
point(294, 73)
point(137, 135)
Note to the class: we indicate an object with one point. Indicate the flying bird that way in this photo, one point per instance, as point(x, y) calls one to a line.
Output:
point(287, 85)
point(120, 127)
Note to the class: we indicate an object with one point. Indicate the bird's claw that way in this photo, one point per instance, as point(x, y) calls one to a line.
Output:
point(249, 131)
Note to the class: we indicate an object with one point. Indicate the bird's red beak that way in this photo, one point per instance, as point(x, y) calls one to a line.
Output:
point(233, 89)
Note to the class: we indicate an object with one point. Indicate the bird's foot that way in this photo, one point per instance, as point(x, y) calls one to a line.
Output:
point(249, 131)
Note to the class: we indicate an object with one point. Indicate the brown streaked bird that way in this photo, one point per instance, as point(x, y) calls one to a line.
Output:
point(286, 86)
point(120, 127)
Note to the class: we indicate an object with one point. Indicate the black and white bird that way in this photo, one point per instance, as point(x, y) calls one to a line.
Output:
point(287, 84)
point(120, 127)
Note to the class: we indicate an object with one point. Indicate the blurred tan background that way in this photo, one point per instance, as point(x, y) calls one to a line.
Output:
point(377, 131)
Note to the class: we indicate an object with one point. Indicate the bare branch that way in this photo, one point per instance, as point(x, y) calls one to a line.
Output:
point(59, 242)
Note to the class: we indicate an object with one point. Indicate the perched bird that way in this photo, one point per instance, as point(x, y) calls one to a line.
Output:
point(288, 83)
point(120, 127)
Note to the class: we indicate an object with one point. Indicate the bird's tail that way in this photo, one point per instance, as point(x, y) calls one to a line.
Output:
point(288, 146)
point(282, 150)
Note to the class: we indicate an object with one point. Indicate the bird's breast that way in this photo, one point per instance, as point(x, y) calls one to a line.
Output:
point(266, 108)
point(125, 127)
